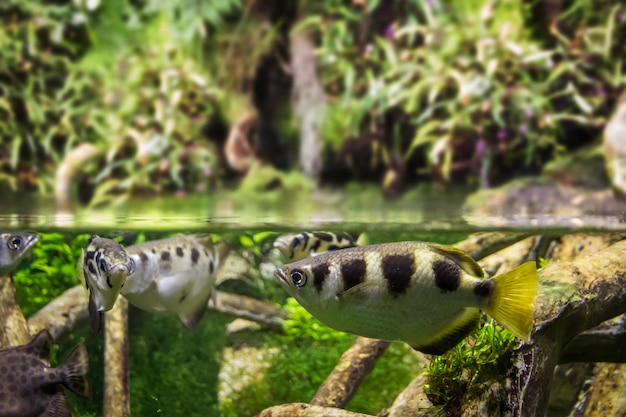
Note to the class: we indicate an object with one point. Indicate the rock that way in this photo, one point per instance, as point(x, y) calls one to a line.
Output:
point(581, 168)
point(542, 202)
point(614, 148)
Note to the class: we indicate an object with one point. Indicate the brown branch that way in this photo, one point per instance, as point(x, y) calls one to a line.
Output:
point(307, 410)
point(249, 308)
point(604, 343)
point(481, 245)
point(411, 401)
point(116, 377)
point(353, 366)
point(13, 329)
point(62, 315)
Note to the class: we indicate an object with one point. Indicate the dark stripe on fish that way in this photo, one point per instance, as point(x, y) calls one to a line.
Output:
point(323, 236)
point(397, 270)
point(353, 273)
point(194, 255)
point(179, 251)
point(211, 267)
point(165, 256)
point(447, 275)
point(320, 272)
point(483, 288)
point(143, 257)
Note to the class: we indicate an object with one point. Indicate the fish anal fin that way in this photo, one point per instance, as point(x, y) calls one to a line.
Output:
point(452, 335)
point(57, 405)
point(75, 369)
point(511, 302)
point(191, 318)
point(465, 261)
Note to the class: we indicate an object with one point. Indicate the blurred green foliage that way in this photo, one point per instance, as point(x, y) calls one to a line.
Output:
point(53, 264)
point(481, 87)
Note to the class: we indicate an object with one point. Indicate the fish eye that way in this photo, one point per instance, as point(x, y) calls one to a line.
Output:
point(298, 278)
point(15, 242)
point(102, 264)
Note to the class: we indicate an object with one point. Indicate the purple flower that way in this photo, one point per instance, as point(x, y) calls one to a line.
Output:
point(389, 32)
point(502, 135)
point(530, 113)
point(522, 129)
point(481, 146)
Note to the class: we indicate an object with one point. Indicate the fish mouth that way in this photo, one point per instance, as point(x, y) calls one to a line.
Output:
point(118, 274)
point(280, 274)
point(31, 239)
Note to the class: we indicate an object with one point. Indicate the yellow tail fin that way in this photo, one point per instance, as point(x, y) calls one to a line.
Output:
point(511, 302)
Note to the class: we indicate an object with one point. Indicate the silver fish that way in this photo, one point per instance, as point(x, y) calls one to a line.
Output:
point(296, 246)
point(425, 294)
point(174, 276)
point(105, 268)
point(29, 387)
point(14, 246)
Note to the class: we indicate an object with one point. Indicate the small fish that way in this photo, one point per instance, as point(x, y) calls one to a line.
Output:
point(29, 387)
point(425, 294)
point(297, 246)
point(104, 269)
point(174, 275)
point(13, 248)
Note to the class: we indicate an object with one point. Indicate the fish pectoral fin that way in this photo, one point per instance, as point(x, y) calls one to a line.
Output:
point(359, 291)
point(76, 367)
point(465, 261)
point(95, 315)
point(450, 335)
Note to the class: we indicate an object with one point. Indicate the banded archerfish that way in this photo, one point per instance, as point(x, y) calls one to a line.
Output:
point(174, 275)
point(297, 246)
point(425, 294)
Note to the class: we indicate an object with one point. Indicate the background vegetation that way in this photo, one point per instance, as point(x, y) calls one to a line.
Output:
point(460, 91)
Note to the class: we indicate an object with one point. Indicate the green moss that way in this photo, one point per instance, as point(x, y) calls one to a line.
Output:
point(477, 358)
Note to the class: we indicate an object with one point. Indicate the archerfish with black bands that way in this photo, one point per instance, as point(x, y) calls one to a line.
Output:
point(174, 275)
point(296, 246)
point(425, 294)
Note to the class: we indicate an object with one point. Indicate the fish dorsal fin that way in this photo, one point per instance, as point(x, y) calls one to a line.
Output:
point(40, 345)
point(461, 258)
point(204, 239)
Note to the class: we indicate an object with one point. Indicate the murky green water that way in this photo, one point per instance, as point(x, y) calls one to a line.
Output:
point(175, 372)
